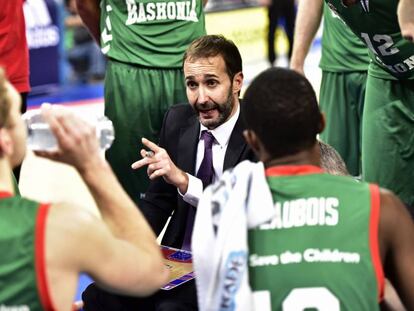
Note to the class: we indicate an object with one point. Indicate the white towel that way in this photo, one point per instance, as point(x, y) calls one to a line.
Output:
point(241, 199)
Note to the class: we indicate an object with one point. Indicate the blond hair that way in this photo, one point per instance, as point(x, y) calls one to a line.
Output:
point(4, 100)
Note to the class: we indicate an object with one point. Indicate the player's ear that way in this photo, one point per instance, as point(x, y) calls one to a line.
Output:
point(6, 143)
point(251, 139)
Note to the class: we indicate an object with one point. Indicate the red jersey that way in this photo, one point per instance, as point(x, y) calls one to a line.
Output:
point(14, 53)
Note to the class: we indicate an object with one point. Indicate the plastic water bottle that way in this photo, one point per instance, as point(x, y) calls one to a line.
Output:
point(41, 138)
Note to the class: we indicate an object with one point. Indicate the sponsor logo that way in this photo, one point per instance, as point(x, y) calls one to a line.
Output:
point(309, 255)
point(304, 212)
point(106, 35)
point(398, 68)
point(40, 30)
point(170, 10)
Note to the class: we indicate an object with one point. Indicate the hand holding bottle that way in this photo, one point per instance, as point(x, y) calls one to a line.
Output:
point(76, 141)
point(41, 138)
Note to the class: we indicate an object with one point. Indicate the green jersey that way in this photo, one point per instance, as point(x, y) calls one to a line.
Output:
point(22, 267)
point(375, 22)
point(15, 186)
point(320, 251)
point(342, 51)
point(150, 33)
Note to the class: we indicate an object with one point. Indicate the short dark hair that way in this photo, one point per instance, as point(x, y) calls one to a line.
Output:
point(213, 45)
point(280, 106)
point(331, 161)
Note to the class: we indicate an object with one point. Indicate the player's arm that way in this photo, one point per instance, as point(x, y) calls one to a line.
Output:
point(78, 241)
point(396, 236)
point(119, 266)
point(406, 18)
point(115, 264)
point(308, 19)
point(127, 230)
point(90, 13)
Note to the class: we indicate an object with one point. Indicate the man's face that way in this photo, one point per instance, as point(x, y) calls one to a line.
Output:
point(210, 91)
point(16, 127)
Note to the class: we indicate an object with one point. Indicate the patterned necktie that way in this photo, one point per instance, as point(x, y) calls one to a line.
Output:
point(205, 173)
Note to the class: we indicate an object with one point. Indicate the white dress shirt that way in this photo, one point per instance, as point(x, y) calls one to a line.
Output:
point(221, 135)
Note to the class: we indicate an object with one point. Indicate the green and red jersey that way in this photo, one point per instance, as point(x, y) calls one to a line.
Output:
point(341, 51)
point(150, 33)
point(321, 249)
point(23, 280)
point(375, 22)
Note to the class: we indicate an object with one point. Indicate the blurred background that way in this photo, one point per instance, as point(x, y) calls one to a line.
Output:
point(62, 53)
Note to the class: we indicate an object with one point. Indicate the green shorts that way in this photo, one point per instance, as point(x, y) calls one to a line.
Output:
point(136, 99)
point(341, 99)
point(388, 136)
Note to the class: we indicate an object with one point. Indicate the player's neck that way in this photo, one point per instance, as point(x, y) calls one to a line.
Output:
point(309, 156)
point(6, 183)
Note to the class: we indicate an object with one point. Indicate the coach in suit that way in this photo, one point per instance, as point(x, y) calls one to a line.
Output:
point(213, 76)
point(180, 137)
point(198, 141)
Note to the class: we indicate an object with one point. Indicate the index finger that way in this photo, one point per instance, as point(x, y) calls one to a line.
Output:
point(153, 146)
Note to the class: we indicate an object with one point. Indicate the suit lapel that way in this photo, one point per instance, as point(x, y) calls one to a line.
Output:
point(236, 146)
point(187, 145)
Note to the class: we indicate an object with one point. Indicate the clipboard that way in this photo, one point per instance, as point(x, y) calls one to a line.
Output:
point(180, 264)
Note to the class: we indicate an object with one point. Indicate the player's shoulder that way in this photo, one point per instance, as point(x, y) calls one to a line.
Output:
point(74, 222)
point(395, 223)
point(73, 235)
point(392, 210)
point(388, 199)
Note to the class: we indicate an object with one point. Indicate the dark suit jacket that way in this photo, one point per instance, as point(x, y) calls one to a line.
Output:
point(179, 137)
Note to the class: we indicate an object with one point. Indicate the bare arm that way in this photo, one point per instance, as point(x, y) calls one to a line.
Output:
point(406, 18)
point(126, 256)
point(90, 12)
point(308, 19)
point(396, 236)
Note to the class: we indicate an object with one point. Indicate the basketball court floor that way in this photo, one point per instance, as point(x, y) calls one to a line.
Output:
point(47, 181)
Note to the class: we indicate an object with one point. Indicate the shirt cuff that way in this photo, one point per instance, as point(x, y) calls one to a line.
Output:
point(194, 190)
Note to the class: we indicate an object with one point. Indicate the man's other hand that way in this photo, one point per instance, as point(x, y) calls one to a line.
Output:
point(159, 164)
